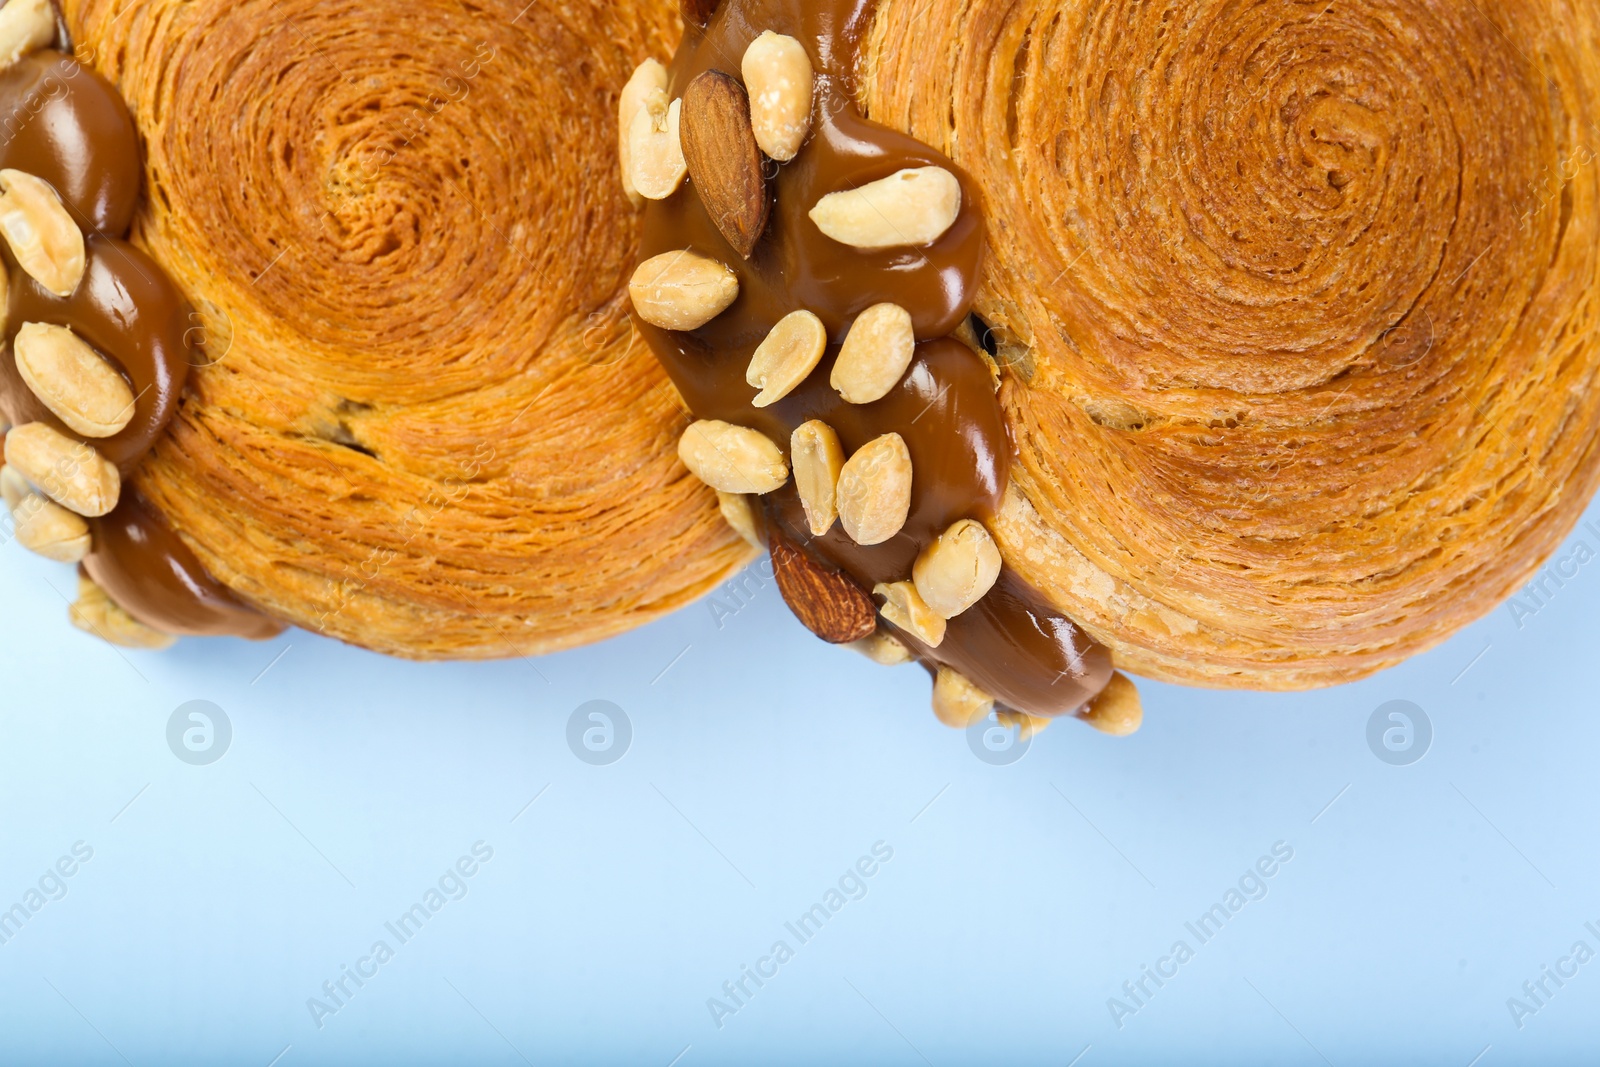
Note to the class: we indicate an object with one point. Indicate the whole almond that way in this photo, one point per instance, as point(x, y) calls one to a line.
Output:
point(903, 607)
point(650, 76)
point(876, 353)
point(69, 472)
point(73, 380)
point(958, 569)
point(957, 702)
point(817, 458)
point(732, 459)
point(724, 159)
point(778, 73)
point(682, 290)
point(827, 602)
point(915, 206)
point(50, 530)
point(1117, 710)
point(874, 495)
point(655, 146)
point(43, 237)
point(787, 357)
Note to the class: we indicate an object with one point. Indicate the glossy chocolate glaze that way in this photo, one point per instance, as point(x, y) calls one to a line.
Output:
point(127, 309)
point(149, 573)
point(1012, 643)
point(64, 123)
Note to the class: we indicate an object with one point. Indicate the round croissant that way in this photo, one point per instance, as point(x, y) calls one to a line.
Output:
point(426, 425)
point(1295, 306)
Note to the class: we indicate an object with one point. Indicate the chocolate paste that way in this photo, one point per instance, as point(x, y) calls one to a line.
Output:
point(64, 123)
point(1012, 644)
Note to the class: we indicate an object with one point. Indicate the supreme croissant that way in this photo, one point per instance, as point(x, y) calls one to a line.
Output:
point(1241, 345)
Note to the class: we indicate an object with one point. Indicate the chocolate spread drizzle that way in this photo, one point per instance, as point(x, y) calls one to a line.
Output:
point(1012, 644)
point(64, 123)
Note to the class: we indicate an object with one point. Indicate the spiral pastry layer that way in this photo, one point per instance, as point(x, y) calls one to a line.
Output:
point(1295, 304)
point(425, 425)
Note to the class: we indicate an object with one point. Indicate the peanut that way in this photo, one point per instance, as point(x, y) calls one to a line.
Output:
point(958, 568)
point(74, 381)
point(778, 74)
point(69, 472)
point(903, 607)
point(43, 237)
point(876, 353)
point(874, 493)
point(817, 456)
point(915, 206)
point(682, 290)
point(787, 357)
point(732, 459)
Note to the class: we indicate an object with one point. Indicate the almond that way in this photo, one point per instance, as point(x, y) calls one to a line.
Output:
point(827, 602)
point(724, 159)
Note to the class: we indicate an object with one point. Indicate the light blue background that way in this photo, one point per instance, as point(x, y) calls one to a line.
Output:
point(763, 764)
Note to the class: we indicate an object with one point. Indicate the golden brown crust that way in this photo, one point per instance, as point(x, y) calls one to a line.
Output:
point(1296, 303)
point(429, 427)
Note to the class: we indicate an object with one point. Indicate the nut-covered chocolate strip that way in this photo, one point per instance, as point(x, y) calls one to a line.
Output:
point(43, 237)
point(75, 382)
point(778, 75)
point(787, 357)
point(724, 160)
point(682, 290)
point(915, 206)
point(732, 459)
point(69, 472)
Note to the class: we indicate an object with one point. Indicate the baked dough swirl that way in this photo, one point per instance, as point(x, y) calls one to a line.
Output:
point(427, 426)
point(1295, 303)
